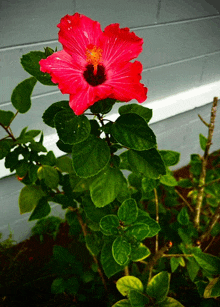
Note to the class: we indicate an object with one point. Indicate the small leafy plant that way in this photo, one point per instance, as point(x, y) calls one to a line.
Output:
point(120, 197)
point(47, 226)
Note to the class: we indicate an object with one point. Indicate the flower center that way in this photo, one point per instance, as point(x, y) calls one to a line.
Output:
point(93, 78)
point(94, 56)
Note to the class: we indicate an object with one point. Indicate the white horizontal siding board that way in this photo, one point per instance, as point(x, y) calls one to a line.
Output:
point(211, 70)
point(12, 73)
point(128, 13)
point(178, 41)
point(30, 21)
point(173, 10)
point(169, 80)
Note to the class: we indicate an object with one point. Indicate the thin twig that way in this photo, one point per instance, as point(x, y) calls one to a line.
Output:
point(212, 223)
point(211, 182)
point(210, 243)
point(9, 133)
point(126, 270)
point(106, 134)
point(185, 201)
point(204, 164)
point(204, 122)
point(176, 255)
point(12, 118)
point(157, 219)
point(156, 257)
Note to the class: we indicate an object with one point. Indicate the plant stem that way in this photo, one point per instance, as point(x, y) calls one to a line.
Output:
point(212, 223)
point(204, 164)
point(8, 131)
point(185, 201)
point(157, 218)
point(106, 135)
point(176, 255)
point(156, 257)
point(84, 230)
point(126, 270)
point(204, 122)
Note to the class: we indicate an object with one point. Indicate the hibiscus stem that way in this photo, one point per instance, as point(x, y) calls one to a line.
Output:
point(106, 134)
point(202, 178)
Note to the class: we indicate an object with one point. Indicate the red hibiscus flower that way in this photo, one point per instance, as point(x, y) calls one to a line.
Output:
point(94, 64)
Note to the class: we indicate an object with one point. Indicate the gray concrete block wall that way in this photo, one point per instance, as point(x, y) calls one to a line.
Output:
point(181, 51)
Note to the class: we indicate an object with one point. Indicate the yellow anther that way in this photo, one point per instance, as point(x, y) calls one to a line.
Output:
point(94, 56)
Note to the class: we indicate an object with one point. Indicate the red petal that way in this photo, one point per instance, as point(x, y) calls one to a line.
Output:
point(64, 71)
point(82, 100)
point(124, 79)
point(119, 45)
point(76, 33)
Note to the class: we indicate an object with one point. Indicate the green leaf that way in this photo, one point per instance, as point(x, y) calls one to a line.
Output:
point(94, 243)
point(22, 168)
point(29, 198)
point(93, 213)
point(64, 164)
point(175, 262)
point(132, 131)
point(209, 263)
point(72, 285)
point(64, 147)
point(137, 109)
point(121, 249)
point(158, 287)
point(122, 303)
point(139, 253)
point(170, 302)
point(192, 265)
point(127, 283)
point(137, 299)
point(183, 216)
point(5, 147)
point(33, 133)
point(30, 63)
point(41, 210)
point(148, 184)
point(109, 224)
point(72, 129)
point(139, 231)
point(170, 157)
point(124, 164)
point(35, 146)
point(61, 254)
point(110, 266)
point(148, 163)
point(21, 95)
point(143, 217)
point(168, 180)
point(185, 183)
point(49, 114)
point(48, 159)
point(90, 156)
point(49, 174)
point(128, 211)
point(103, 106)
point(106, 186)
point(203, 141)
point(6, 117)
point(213, 288)
point(58, 286)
